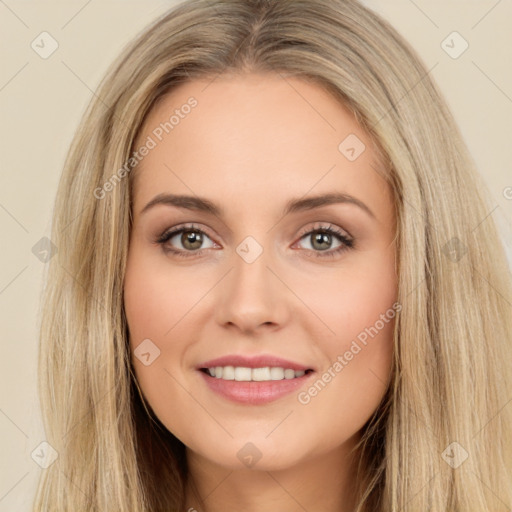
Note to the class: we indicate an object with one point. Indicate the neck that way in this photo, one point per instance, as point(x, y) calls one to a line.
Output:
point(325, 482)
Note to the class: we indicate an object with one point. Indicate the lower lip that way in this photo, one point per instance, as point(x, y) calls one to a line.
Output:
point(254, 393)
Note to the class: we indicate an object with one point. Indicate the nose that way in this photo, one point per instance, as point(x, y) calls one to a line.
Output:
point(252, 297)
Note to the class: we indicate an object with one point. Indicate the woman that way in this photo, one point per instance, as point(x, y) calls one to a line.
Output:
point(201, 347)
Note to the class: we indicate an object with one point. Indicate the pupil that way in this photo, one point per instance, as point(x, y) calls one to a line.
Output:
point(322, 238)
point(190, 237)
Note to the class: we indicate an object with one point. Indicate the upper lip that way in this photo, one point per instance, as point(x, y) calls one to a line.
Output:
point(259, 361)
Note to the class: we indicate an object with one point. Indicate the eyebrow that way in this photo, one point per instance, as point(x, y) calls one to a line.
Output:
point(200, 204)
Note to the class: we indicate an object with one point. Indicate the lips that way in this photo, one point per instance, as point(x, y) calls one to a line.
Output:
point(253, 380)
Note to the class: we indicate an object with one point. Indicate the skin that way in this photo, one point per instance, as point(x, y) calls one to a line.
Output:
point(251, 144)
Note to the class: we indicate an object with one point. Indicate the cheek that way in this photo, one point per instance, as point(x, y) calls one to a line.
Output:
point(155, 297)
point(153, 308)
point(159, 303)
point(352, 301)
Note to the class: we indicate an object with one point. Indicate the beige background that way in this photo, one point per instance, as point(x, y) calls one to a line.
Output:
point(41, 101)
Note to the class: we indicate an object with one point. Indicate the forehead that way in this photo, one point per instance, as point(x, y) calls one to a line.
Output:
point(253, 134)
point(289, 107)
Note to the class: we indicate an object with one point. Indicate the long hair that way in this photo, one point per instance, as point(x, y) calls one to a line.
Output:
point(441, 439)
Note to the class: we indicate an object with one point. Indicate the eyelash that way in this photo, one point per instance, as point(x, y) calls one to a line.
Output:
point(346, 243)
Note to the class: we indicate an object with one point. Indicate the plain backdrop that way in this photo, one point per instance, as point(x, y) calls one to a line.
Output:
point(42, 100)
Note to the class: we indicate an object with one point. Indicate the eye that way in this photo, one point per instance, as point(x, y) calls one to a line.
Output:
point(321, 239)
point(190, 237)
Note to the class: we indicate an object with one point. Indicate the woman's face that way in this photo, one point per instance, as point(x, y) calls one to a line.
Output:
point(298, 319)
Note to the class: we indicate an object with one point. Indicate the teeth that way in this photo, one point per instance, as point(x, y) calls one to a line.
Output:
point(289, 374)
point(240, 373)
point(276, 374)
point(260, 374)
point(228, 373)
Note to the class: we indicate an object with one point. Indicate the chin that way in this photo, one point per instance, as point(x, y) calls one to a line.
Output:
point(256, 455)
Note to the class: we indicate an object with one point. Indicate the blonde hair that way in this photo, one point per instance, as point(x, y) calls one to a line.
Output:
point(451, 373)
